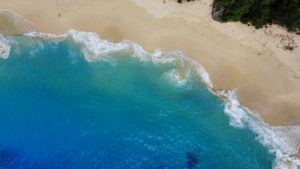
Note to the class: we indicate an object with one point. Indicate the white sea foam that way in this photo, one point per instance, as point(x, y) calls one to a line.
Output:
point(279, 140)
point(95, 48)
point(203, 73)
point(178, 77)
point(4, 47)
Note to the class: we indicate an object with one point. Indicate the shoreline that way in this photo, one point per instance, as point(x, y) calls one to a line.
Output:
point(234, 55)
point(277, 140)
point(266, 83)
point(94, 48)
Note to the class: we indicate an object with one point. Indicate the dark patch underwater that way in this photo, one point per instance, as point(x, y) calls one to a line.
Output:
point(59, 111)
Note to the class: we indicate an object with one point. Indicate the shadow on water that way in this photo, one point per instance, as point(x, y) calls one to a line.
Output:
point(7, 157)
point(11, 159)
point(107, 118)
point(192, 160)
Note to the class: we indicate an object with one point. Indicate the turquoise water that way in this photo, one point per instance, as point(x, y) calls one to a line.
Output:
point(59, 111)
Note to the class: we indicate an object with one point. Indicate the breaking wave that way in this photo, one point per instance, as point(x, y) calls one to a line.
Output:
point(4, 47)
point(279, 140)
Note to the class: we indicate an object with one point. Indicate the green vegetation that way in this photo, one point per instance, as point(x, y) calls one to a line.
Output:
point(259, 13)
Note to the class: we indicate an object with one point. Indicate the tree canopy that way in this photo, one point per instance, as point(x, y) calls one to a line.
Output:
point(258, 13)
point(261, 12)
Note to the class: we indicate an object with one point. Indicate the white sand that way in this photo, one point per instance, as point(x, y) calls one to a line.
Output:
point(235, 55)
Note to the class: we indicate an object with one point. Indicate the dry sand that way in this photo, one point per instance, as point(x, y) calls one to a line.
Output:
point(235, 55)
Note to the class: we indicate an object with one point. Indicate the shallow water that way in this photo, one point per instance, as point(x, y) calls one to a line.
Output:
point(59, 111)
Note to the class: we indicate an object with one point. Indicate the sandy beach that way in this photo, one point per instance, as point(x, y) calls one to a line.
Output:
point(236, 56)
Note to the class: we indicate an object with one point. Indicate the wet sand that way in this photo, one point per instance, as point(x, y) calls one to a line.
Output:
point(236, 56)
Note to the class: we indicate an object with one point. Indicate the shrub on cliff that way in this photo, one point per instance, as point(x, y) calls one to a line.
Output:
point(259, 12)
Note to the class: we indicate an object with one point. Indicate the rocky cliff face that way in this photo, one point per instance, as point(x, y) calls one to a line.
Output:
point(180, 1)
point(217, 11)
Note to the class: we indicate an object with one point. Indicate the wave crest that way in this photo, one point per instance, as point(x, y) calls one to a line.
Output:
point(279, 140)
point(95, 48)
point(4, 47)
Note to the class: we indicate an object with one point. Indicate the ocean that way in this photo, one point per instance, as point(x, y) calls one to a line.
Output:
point(76, 101)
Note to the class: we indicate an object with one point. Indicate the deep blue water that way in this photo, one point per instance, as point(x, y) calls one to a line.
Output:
point(59, 111)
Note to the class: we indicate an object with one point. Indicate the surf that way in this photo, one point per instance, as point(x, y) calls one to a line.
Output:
point(175, 69)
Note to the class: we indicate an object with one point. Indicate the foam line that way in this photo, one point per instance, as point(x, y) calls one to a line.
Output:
point(4, 47)
point(279, 140)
